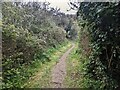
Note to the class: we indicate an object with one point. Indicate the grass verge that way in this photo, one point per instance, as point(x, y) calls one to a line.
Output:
point(76, 71)
point(42, 72)
point(73, 78)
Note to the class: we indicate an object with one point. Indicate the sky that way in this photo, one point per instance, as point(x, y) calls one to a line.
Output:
point(62, 4)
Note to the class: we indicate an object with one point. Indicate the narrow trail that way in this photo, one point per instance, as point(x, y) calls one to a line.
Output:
point(59, 70)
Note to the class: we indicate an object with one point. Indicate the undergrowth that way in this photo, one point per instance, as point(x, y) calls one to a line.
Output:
point(22, 74)
point(73, 78)
point(42, 72)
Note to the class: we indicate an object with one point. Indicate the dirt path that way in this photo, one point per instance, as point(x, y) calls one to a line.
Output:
point(59, 70)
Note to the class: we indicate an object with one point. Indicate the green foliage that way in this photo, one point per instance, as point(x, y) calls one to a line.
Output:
point(27, 32)
point(102, 26)
point(42, 78)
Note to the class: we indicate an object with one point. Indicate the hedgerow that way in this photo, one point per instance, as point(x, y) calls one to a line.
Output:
point(27, 32)
point(101, 32)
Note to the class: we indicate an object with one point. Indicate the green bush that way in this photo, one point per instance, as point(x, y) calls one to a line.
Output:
point(26, 35)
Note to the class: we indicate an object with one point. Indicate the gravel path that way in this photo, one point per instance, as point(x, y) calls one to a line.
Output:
point(59, 70)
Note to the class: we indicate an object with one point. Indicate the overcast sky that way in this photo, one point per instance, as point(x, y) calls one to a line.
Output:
point(62, 4)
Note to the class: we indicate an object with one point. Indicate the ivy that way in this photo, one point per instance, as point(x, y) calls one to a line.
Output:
point(102, 22)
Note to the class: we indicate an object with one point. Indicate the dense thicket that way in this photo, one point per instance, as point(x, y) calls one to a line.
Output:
point(100, 41)
point(28, 29)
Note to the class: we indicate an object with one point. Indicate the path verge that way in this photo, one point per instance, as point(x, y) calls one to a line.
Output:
point(59, 70)
point(42, 78)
